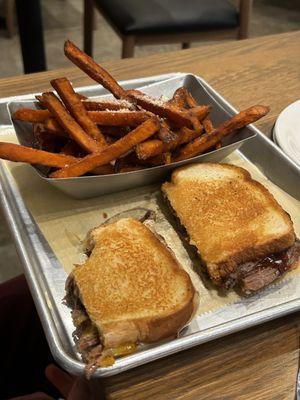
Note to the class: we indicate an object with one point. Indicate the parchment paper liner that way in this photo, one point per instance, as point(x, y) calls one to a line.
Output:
point(64, 221)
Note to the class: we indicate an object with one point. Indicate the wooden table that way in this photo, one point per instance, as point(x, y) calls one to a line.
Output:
point(262, 362)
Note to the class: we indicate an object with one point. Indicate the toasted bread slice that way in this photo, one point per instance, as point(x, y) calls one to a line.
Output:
point(228, 216)
point(132, 287)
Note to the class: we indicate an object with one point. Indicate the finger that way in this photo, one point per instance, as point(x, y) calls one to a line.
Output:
point(60, 379)
point(81, 390)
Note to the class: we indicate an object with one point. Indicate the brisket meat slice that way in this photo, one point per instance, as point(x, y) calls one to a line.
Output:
point(255, 275)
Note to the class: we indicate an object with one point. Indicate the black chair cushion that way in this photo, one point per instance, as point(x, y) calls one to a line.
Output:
point(169, 16)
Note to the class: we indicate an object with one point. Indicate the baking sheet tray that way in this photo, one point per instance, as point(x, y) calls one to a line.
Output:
point(30, 226)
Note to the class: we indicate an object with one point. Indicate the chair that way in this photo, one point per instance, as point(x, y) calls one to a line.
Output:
point(30, 24)
point(168, 21)
point(9, 6)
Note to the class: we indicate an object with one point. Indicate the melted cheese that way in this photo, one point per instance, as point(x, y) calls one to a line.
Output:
point(109, 356)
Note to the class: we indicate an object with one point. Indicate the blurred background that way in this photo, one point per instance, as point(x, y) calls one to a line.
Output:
point(63, 19)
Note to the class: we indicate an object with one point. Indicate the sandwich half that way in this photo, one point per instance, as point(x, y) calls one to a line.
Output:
point(130, 290)
point(243, 236)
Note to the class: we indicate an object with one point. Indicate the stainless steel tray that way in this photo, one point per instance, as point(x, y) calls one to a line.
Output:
point(46, 277)
point(90, 186)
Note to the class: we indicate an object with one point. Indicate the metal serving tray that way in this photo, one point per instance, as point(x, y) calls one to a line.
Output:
point(90, 186)
point(46, 277)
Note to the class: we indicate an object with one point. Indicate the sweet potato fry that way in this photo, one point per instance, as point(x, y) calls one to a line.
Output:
point(39, 98)
point(82, 97)
point(154, 147)
point(196, 123)
point(134, 92)
point(29, 115)
point(94, 70)
point(117, 149)
point(76, 108)
point(106, 105)
point(119, 118)
point(52, 126)
point(208, 140)
point(160, 108)
point(160, 159)
point(108, 118)
point(191, 102)
point(165, 134)
point(69, 124)
point(207, 125)
point(69, 154)
point(166, 158)
point(179, 97)
point(200, 112)
point(149, 148)
point(72, 149)
point(186, 135)
point(16, 152)
point(129, 160)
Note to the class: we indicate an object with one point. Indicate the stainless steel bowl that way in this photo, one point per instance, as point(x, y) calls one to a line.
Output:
point(91, 186)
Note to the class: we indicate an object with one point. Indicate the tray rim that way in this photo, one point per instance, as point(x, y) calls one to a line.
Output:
point(16, 213)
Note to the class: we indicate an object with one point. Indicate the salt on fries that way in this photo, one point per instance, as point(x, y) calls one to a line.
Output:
point(128, 133)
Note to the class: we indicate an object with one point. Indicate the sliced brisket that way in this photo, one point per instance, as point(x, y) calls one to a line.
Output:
point(253, 276)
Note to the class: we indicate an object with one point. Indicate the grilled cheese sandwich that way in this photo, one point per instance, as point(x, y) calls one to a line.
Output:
point(131, 290)
point(242, 234)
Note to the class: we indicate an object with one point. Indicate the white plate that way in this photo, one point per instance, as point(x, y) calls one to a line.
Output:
point(287, 131)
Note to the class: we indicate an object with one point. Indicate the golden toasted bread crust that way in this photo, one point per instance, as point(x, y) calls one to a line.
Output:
point(148, 330)
point(228, 219)
point(132, 286)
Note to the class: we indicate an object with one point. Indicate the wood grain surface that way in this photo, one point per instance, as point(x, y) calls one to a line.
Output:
point(262, 70)
point(260, 363)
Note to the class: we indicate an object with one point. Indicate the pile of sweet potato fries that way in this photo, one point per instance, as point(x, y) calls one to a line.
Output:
point(131, 132)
